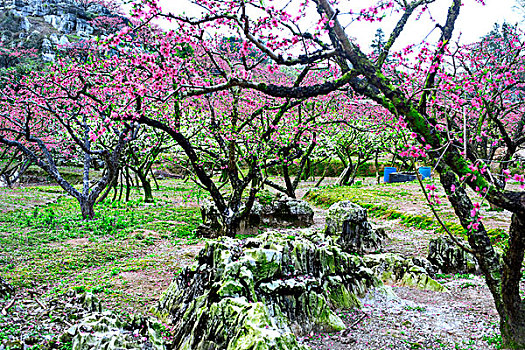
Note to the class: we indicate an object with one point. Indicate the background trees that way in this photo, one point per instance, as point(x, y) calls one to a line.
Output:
point(61, 114)
point(276, 33)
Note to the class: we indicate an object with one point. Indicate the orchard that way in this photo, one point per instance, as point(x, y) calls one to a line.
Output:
point(230, 128)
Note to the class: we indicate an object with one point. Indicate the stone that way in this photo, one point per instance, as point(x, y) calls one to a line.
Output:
point(47, 50)
point(6, 289)
point(449, 258)
point(53, 20)
point(262, 292)
point(349, 222)
point(35, 35)
point(283, 211)
point(25, 25)
point(50, 17)
point(67, 23)
point(83, 28)
point(106, 330)
point(54, 38)
point(63, 41)
point(410, 272)
point(211, 220)
point(90, 302)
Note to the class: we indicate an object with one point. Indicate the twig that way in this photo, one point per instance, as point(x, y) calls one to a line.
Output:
point(438, 218)
point(358, 321)
point(32, 293)
point(4, 310)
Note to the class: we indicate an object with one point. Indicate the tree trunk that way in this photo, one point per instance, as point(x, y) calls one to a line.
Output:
point(290, 190)
point(128, 184)
point(344, 178)
point(512, 323)
point(146, 185)
point(376, 164)
point(503, 281)
point(87, 209)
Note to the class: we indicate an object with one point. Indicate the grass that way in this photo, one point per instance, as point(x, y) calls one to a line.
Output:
point(368, 197)
point(45, 244)
point(49, 245)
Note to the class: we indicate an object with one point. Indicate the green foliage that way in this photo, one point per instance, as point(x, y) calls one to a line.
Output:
point(416, 308)
point(494, 340)
point(265, 197)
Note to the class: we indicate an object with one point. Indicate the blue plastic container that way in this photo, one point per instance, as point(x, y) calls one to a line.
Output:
point(425, 171)
point(388, 170)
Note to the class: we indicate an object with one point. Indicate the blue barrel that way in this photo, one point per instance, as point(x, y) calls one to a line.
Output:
point(388, 170)
point(425, 171)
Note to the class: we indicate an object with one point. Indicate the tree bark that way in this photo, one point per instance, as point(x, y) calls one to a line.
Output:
point(146, 185)
point(512, 324)
point(344, 178)
point(87, 209)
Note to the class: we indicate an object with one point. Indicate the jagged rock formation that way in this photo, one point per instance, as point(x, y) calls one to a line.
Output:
point(410, 272)
point(449, 258)
point(261, 292)
point(280, 212)
point(349, 222)
point(47, 25)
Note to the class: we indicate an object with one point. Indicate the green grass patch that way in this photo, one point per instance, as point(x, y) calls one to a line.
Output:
point(326, 196)
point(38, 246)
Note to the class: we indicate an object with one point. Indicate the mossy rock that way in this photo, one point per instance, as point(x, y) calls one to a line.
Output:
point(410, 272)
point(260, 293)
point(449, 257)
point(106, 330)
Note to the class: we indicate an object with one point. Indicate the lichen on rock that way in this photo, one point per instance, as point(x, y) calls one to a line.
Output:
point(106, 330)
point(260, 293)
point(450, 258)
point(410, 272)
point(349, 222)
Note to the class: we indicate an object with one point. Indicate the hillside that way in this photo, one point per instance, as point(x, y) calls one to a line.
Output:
point(45, 25)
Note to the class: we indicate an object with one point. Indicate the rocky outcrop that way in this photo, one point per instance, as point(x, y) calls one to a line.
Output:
point(47, 25)
point(280, 212)
point(410, 272)
point(106, 330)
point(66, 16)
point(349, 222)
point(449, 258)
point(261, 292)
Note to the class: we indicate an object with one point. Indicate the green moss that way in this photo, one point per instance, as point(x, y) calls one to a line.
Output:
point(343, 298)
point(266, 263)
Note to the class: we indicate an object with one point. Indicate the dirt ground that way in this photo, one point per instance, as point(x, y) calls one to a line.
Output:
point(463, 317)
